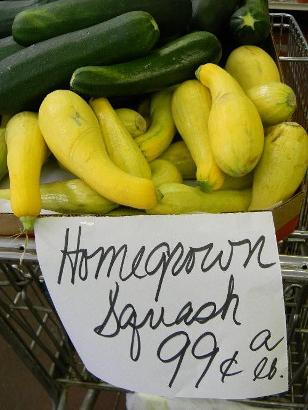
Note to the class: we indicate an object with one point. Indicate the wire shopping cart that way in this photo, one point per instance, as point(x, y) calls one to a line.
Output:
point(29, 323)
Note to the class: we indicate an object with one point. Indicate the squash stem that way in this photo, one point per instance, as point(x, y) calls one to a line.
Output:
point(27, 223)
point(205, 186)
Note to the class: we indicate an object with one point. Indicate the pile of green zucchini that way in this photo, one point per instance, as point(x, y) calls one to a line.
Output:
point(115, 47)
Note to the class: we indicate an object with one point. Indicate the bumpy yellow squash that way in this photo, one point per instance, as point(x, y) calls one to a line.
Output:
point(282, 166)
point(72, 133)
point(71, 196)
point(161, 131)
point(134, 122)
point(252, 66)
point(164, 171)
point(179, 155)
point(26, 153)
point(235, 128)
point(275, 102)
point(121, 147)
point(191, 104)
point(182, 199)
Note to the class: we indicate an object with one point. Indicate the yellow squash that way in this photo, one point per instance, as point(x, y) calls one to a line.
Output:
point(282, 167)
point(121, 147)
point(191, 104)
point(162, 129)
point(72, 132)
point(252, 66)
point(27, 152)
point(182, 199)
point(179, 155)
point(133, 121)
point(235, 128)
point(237, 183)
point(275, 102)
point(70, 197)
point(164, 171)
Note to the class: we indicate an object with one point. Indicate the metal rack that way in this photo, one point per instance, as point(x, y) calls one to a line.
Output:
point(292, 51)
point(288, 5)
point(29, 323)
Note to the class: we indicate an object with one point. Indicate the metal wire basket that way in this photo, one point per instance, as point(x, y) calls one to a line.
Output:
point(29, 323)
point(292, 51)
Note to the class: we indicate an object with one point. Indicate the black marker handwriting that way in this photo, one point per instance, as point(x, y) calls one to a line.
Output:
point(262, 339)
point(127, 317)
point(159, 260)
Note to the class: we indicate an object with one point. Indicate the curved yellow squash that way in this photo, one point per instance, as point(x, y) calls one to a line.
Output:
point(164, 171)
point(179, 155)
point(72, 133)
point(191, 104)
point(282, 166)
point(183, 199)
point(133, 121)
point(251, 66)
point(72, 196)
point(235, 128)
point(26, 153)
point(121, 147)
point(161, 131)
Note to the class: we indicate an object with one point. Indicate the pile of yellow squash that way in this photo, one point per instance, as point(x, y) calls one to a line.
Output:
point(236, 149)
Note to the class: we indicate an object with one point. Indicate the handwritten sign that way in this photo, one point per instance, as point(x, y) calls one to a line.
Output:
point(177, 306)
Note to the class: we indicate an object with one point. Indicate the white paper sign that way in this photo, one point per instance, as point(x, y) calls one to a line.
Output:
point(177, 306)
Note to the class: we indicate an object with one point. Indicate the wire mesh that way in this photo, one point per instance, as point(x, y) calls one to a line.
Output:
point(28, 322)
point(292, 51)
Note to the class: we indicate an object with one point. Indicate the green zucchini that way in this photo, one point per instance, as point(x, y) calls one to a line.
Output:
point(168, 65)
point(29, 74)
point(8, 46)
point(250, 24)
point(212, 15)
point(9, 9)
point(37, 24)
